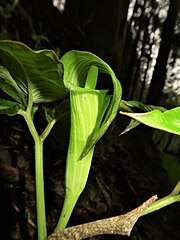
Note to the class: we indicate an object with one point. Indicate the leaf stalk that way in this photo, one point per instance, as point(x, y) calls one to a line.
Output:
point(39, 177)
point(173, 197)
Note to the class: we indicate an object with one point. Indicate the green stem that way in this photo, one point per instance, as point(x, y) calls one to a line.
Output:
point(40, 198)
point(161, 203)
point(39, 178)
point(48, 129)
point(68, 206)
point(27, 116)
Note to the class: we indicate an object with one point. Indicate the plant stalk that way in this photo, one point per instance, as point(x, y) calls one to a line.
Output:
point(47, 129)
point(40, 198)
point(39, 177)
point(68, 206)
point(173, 197)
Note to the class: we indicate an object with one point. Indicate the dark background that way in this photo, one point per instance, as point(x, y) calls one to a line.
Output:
point(140, 41)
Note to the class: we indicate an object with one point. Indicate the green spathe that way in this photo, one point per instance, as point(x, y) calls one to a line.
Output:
point(84, 121)
point(76, 66)
point(92, 111)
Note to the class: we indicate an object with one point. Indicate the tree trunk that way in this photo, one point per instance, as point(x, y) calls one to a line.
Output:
point(159, 74)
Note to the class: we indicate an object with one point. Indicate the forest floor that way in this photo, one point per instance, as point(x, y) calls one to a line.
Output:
point(126, 170)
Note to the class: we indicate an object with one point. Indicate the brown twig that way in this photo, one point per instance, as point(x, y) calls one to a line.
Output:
point(121, 225)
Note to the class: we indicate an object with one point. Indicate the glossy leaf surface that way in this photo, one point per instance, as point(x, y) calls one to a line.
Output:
point(131, 106)
point(168, 120)
point(9, 85)
point(37, 73)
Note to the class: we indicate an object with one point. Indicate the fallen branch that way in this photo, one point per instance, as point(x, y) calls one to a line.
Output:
point(121, 225)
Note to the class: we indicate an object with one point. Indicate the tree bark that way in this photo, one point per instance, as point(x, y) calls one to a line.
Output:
point(159, 74)
point(121, 225)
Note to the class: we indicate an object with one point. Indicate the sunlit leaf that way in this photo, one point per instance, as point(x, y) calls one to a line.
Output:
point(131, 106)
point(128, 106)
point(168, 120)
point(37, 73)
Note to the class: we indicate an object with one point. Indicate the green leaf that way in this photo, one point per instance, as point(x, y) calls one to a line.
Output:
point(8, 85)
point(37, 73)
point(58, 111)
point(76, 68)
point(8, 107)
point(133, 123)
point(129, 105)
point(168, 120)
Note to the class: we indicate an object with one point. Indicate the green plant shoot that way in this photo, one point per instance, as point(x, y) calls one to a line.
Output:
point(87, 107)
point(32, 78)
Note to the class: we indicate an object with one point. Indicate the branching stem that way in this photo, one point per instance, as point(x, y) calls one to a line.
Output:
point(39, 177)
